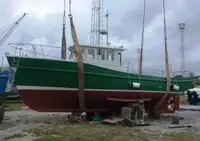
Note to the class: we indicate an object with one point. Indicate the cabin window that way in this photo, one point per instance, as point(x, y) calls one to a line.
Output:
point(91, 53)
point(98, 51)
point(110, 55)
point(103, 54)
point(120, 57)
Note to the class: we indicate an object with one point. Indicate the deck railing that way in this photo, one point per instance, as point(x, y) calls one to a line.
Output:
point(38, 51)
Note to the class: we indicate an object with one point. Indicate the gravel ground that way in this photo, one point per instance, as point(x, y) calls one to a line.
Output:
point(17, 122)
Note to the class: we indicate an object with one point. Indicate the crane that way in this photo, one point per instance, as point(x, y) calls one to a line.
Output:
point(12, 29)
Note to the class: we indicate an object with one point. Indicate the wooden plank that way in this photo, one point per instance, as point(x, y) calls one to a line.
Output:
point(113, 120)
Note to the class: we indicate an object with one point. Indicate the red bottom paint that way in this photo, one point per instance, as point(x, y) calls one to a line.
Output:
point(95, 101)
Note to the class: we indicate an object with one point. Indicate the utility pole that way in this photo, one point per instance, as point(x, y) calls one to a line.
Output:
point(181, 27)
point(107, 14)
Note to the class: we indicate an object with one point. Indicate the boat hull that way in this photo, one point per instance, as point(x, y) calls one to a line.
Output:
point(46, 99)
point(48, 85)
point(3, 84)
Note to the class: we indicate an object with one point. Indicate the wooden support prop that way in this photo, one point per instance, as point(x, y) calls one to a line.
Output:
point(166, 63)
point(79, 62)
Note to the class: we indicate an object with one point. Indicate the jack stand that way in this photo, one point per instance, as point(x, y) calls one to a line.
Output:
point(75, 116)
point(175, 120)
point(136, 117)
point(176, 124)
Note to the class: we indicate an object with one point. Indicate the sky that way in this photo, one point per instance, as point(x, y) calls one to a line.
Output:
point(43, 25)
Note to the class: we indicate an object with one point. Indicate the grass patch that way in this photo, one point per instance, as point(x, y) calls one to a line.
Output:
point(19, 135)
point(183, 136)
point(99, 132)
point(49, 138)
point(13, 106)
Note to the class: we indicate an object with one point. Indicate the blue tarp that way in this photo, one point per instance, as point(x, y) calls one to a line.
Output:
point(3, 81)
point(6, 76)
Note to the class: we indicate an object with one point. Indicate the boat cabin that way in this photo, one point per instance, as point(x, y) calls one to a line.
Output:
point(100, 54)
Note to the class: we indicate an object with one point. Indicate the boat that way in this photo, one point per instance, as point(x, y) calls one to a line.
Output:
point(3, 84)
point(93, 80)
point(51, 85)
point(6, 74)
point(6, 80)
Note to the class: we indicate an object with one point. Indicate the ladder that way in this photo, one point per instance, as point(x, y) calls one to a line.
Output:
point(16, 60)
point(80, 65)
point(15, 63)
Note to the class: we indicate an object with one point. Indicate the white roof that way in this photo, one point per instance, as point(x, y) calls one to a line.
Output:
point(104, 47)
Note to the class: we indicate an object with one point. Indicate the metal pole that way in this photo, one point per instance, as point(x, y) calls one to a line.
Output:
point(107, 14)
point(99, 22)
point(2, 61)
point(181, 28)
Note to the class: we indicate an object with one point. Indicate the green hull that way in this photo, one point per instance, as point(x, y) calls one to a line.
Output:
point(58, 73)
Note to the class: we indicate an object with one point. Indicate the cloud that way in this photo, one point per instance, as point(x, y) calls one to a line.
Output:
point(43, 24)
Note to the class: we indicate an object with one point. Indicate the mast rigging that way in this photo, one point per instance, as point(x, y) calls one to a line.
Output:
point(64, 44)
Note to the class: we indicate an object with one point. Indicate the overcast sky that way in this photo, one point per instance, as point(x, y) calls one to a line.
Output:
point(43, 25)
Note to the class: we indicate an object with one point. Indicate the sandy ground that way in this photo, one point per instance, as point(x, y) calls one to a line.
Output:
point(19, 121)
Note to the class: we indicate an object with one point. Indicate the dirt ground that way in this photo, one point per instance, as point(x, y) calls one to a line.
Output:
point(28, 125)
point(183, 100)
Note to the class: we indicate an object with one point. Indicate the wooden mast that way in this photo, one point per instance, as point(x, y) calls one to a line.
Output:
point(79, 61)
point(166, 61)
point(142, 40)
point(64, 44)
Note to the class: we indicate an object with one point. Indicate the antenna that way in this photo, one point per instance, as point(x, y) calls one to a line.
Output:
point(181, 27)
point(107, 14)
point(97, 23)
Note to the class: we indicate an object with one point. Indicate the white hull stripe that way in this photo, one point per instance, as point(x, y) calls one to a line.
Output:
point(20, 87)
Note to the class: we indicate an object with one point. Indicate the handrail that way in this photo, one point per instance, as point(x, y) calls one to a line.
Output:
point(152, 72)
point(50, 46)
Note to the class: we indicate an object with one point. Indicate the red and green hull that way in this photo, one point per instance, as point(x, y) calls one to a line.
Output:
point(66, 100)
point(51, 86)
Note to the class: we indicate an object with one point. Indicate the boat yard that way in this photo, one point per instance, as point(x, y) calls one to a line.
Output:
point(28, 125)
point(92, 95)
